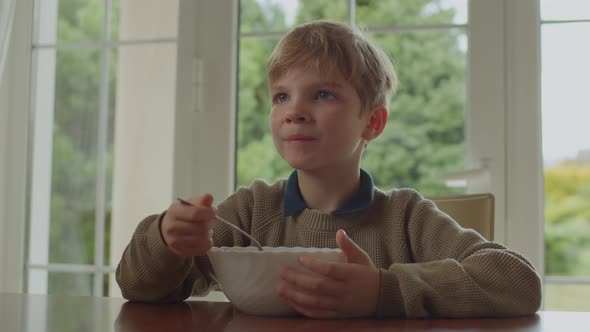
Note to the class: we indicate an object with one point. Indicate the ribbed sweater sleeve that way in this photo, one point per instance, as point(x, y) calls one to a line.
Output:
point(149, 271)
point(455, 272)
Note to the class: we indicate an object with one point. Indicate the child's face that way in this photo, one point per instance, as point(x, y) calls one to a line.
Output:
point(316, 123)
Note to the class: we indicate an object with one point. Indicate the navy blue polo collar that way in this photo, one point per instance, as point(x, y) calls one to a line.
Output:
point(360, 201)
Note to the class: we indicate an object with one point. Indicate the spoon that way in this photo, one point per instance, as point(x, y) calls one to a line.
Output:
point(218, 218)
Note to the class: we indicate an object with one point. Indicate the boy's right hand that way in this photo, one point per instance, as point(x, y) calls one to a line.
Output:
point(187, 230)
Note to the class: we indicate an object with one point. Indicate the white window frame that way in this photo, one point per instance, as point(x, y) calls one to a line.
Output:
point(504, 83)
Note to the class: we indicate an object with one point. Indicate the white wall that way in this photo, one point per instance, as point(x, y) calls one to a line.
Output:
point(144, 122)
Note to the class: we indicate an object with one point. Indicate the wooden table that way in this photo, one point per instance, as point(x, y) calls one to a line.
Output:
point(25, 312)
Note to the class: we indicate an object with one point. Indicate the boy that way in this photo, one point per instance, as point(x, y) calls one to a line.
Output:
point(330, 87)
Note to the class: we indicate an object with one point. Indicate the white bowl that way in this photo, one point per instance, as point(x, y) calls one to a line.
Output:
point(249, 277)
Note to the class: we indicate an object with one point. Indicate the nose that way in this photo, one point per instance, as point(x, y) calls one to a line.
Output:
point(297, 113)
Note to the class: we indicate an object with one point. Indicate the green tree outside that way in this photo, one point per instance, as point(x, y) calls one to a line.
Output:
point(567, 219)
point(74, 165)
point(425, 135)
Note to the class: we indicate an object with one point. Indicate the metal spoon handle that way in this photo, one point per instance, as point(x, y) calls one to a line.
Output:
point(218, 218)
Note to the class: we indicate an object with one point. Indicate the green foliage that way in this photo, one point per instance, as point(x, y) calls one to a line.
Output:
point(311, 10)
point(262, 15)
point(254, 100)
point(262, 152)
point(75, 148)
point(567, 219)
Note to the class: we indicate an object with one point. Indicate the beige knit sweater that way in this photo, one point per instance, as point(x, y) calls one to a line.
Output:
point(430, 266)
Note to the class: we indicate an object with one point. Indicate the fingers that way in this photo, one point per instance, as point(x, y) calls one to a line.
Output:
point(337, 271)
point(311, 295)
point(187, 229)
point(353, 253)
point(337, 290)
point(304, 298)
point(191, 213)
point(310, 283)
point(205, 200)
point(189, 246)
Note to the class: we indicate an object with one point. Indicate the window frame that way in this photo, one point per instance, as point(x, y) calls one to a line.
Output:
point(506, 88)
point(503, 79)
point(19, 234)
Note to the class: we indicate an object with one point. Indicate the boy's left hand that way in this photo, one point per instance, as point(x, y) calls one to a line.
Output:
point(338, 290)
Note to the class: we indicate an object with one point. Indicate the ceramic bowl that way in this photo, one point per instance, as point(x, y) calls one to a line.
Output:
point(250, 278)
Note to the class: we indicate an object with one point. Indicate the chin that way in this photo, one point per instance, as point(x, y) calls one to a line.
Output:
point(297, 165)
point(301, 164)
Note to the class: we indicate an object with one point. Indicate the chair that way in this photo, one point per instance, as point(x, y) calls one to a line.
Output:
point(474, 211)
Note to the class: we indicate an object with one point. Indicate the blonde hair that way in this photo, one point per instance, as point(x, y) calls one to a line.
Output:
point(328, 47)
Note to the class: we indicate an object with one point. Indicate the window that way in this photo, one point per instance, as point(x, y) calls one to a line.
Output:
point(566, 153)
point(424, 138)
point(116, 137)
point(103, 103)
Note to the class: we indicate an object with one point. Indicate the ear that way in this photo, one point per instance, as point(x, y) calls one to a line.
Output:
point(375, 123)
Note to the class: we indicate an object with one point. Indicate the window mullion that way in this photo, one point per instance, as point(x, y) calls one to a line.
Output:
point(43, 78)
point(524, 175)
point(567, 280)
point(103, 118)
point(352, 11)
point(105, 43)
point(73, 268)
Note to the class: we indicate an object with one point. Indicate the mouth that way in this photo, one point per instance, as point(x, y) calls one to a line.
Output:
point(300, 138)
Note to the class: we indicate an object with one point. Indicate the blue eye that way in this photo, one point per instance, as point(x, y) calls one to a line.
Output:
point(326, 95)
point(280, 98)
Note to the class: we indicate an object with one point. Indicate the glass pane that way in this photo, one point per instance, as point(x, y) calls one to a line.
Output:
point(424, 136)
point(566, 149)
point(110, 153)
point(565, 9)
point(65, 283)
point(566, 297)
point(106, 284)
point(375, 13)
point(144, 19)
point(281, 15)
point(70, 21)
point(74, 158)
point(67, 86)
point(256, 155)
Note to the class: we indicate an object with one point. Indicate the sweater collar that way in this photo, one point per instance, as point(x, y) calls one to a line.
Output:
point(361, 200)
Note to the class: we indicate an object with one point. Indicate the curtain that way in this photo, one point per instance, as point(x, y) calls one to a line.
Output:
point(6, 19)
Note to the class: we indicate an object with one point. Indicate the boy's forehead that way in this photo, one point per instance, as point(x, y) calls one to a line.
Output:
point(311, 76)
